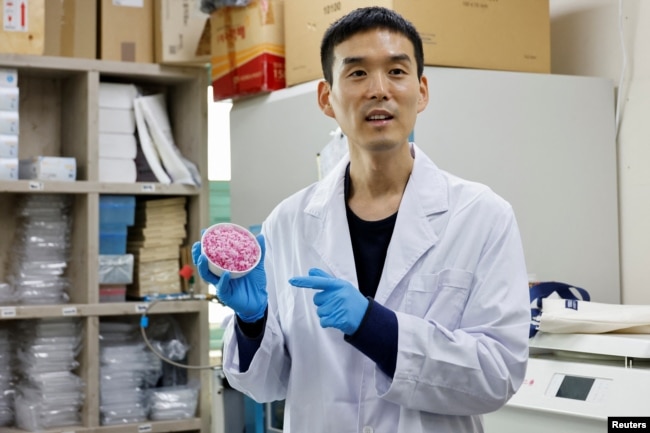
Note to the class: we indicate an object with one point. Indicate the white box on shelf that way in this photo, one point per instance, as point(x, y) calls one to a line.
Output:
point(8, 146)
point(8, 77)
point(117, 170)
point(115, 145)
point(8, 168)
point(48, 168)
point(117, 95)
point(9, 122)
point(9, 98)
point(116, 120)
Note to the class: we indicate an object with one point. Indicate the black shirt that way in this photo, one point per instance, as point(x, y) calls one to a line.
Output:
point(370, 241)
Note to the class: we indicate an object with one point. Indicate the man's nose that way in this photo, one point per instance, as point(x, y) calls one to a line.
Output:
point(378, 87)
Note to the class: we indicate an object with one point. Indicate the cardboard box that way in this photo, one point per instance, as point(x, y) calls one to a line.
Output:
point(512, 35)
point(126, 30)
point(53, 28)
point(156, 277)
point(182, 32)
point(247, 49)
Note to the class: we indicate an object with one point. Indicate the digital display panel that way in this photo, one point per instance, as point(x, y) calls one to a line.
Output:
point(576, 388)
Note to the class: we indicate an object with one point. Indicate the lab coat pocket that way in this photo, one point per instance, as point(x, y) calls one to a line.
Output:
point(439, 297)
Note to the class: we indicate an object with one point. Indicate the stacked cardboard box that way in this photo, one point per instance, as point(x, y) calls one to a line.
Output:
point(51, 28)
point(509, 35)
point(182, 32)
point(247, 49)
point(155, 241)
point(160, 31)
point(125, 31)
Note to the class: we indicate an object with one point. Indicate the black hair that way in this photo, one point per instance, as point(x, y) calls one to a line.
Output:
point(361, 20)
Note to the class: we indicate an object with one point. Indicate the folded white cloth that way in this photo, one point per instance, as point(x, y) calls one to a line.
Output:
point(561, 316)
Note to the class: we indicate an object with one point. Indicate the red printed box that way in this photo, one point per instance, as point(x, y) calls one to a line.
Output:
point(247, 49)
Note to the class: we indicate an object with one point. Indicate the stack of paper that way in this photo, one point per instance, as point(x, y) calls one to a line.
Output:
point(155, 241)
point(157, 142)
point(9, 98)
point(117, 140)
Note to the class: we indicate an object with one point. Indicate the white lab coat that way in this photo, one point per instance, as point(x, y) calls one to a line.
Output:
point(456, 278)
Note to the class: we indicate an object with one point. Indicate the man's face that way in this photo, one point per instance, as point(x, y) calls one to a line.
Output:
point(375, 95)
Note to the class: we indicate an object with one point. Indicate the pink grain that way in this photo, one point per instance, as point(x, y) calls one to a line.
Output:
point(230, 248)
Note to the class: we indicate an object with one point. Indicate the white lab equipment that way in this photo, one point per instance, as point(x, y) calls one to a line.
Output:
point(574, 382)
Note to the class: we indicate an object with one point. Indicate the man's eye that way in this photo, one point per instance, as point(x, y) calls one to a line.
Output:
point(397, 71)
point(358, 73)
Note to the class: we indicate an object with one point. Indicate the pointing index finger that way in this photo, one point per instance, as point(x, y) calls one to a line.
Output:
point(318, 283)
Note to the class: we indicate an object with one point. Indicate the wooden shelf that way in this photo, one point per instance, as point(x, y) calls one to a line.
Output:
point(101, 309)
point(193, 424)
point(83, 187)
point(30, 65)
point(59, 116)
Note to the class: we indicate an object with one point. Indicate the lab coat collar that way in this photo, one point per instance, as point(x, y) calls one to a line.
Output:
point(426, 194)
point(427, 184)
point(433, 199)
point(331, 236)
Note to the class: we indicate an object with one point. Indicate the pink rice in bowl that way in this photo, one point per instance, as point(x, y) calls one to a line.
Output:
point(230, 247)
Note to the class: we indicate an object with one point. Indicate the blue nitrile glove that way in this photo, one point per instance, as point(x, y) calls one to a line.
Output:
point(246, 295)
point(340, 304)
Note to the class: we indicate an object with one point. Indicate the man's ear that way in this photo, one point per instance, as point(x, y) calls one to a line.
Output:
point(324, 92)
point(423, 100)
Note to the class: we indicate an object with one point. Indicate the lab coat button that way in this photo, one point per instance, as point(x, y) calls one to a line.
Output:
point(367, 429)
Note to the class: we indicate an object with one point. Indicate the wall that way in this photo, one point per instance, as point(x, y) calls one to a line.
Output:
point(219, 202)
point(586, 40)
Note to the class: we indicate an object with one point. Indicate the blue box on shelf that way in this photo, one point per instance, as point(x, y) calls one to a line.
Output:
point(112, 242)
point(116, 209)
point(113, 228)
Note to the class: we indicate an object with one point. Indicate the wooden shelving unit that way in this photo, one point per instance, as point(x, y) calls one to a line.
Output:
point(59, 117)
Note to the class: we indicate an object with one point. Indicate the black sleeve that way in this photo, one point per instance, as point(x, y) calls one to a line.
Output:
point(377, 337)
point(249, 339)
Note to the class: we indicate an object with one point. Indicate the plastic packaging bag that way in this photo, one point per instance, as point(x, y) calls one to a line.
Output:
point(41, 249)
point(209, 6)
point(175, 402)
point(166, 337)
point(48, 395)
point(127, 369)
point(116, 269)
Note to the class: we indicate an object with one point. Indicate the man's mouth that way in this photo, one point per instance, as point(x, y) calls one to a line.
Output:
point(379, 117)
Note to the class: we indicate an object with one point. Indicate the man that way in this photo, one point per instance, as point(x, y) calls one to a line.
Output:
point(392, 296)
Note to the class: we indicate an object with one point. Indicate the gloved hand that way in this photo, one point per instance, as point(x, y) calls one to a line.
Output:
point(246, 295)
point(340, 304)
